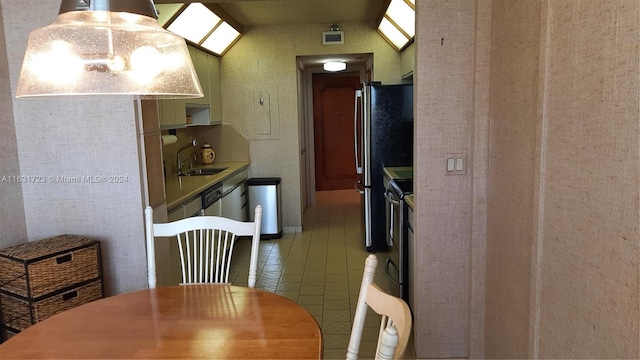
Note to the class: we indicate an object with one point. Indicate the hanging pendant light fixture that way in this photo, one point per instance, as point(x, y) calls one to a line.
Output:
point(107, 47)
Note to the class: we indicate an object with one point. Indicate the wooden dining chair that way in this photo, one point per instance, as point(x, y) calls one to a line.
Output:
point(206, 244)
point(395, 324)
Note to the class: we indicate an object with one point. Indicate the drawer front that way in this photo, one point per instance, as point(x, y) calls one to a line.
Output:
point(12, 276)
point(17, 312)
point(65, 270)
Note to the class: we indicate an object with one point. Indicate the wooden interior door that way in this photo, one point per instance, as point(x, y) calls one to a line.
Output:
point(333, 106)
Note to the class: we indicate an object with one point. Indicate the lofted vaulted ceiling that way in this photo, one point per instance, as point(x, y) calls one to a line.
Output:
point(248, 13)
point(285, 12)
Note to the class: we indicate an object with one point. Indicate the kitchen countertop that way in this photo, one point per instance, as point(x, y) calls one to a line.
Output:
point(409, 200)
point(179, 189)
point(401, 172)
point(398, 172)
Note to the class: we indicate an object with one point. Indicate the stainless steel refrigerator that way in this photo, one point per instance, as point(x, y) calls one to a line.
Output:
point(383, 128)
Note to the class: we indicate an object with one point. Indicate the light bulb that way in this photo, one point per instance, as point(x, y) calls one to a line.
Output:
point(116, 64)
point(58, 65)
point(145, 64)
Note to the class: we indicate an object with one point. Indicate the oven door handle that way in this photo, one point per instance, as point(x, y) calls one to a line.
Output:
point(388, 264)
point(391, 199)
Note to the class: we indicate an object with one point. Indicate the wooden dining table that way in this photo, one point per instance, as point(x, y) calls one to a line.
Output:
point(177, 322)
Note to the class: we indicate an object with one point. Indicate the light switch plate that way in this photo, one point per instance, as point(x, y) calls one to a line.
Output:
point(451, 164)
point(456, 164)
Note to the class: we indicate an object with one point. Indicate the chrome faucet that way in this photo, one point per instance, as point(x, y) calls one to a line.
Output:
point(179, 162)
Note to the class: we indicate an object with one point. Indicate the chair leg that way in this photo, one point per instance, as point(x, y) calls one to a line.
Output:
point(253, 266)
point(255, 244)
point(151, 253)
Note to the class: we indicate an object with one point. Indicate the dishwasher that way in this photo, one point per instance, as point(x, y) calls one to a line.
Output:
point(211, 204)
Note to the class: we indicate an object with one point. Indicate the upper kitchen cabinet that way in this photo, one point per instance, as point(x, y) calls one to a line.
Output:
point(202, 111)
point(201, 64)
point(215, 90)
point(173, 114)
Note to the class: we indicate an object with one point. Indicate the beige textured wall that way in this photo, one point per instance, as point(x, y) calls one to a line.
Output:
point(515, 50)
point(13, 229)
point(72, 137)
point(588, 242)
point(445, 116)
point(563, 259)
point(265, 60)
point(478, 166)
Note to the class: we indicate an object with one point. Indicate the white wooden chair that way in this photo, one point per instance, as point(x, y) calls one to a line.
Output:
point(395, 325)
point(206, 244)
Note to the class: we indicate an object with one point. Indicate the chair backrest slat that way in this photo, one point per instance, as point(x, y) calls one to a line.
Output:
point(198, 256)
point(205, 245)
point(228, 253)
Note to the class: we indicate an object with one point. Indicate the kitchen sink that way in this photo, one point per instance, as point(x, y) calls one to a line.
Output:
point(203, 171)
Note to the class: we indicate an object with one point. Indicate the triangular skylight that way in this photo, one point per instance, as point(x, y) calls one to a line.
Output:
point(200, 24)
point(398, 24)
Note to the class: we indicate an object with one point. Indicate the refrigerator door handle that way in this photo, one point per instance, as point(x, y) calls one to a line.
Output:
point(359, 187)
point(355, 131)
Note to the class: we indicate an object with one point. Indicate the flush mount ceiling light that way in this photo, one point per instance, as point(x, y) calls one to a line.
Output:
point(398, 23)
point(334, 66)
point(107, 47)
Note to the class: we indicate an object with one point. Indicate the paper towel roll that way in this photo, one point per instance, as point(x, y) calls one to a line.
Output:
point(169, 139)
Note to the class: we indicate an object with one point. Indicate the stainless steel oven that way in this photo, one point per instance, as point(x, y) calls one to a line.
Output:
point(397, 234)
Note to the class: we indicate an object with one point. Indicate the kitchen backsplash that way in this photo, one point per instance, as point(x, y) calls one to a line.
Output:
point(227, 143)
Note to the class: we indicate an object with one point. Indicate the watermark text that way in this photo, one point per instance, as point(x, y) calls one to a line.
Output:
point(64, 179)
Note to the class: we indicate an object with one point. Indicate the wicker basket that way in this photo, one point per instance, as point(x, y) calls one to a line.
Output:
point(42, 278)
point(18, 313)
point(38, 268)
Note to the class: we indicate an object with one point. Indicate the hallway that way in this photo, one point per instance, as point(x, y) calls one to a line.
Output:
point(321, 269)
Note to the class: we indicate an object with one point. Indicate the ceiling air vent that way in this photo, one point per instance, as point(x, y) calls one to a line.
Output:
point(333, 37)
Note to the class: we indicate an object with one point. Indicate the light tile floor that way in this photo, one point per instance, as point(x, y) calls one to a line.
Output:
point(321, 269)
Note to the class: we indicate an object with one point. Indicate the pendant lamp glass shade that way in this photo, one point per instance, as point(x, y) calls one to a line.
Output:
point(107, 47)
